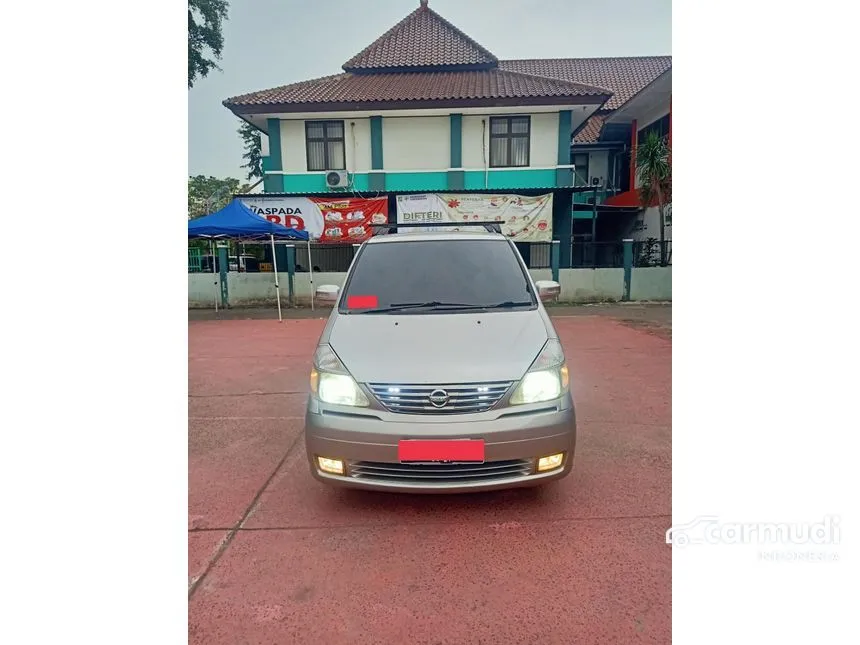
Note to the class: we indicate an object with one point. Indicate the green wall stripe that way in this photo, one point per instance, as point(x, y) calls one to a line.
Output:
point(456, 180)
point(456, 140)
point(376, 142)
point(418, 181)
point(376, 181)
point(273, 183)
point(512, 179)
point(273, 127)
point(305, 183)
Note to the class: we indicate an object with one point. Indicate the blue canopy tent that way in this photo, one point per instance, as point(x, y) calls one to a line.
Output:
point(238, 222)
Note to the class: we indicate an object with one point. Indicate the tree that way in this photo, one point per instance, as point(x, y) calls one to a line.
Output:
point(205, 40)
point(253, 155)
point(209, 194)
point(654, 168)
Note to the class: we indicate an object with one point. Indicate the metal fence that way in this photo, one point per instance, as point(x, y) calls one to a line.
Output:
point(594, 255)
point(537, 255)
point(651, 253)
point(334, 258)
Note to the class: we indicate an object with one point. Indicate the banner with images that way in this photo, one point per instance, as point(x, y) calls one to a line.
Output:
point(523, 219)
point(349, 220)
point(326, 220)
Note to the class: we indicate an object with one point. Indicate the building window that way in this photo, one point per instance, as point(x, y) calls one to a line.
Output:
point(580, 169)
point(509, 141)
point(325, 145)
point(660, 126)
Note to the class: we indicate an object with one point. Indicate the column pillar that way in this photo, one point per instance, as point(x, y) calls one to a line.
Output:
point(554, 258)
point(564, 176)
point(628, 268)
point(291, 272)
point(223, 268)
point(634, 146)
point(273, 183)
point(376, 178)
point(456, 175)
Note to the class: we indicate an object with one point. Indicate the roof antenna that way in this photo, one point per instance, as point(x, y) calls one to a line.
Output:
point(423, 3)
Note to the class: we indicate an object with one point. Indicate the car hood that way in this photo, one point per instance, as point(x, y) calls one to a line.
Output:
point(438, 348)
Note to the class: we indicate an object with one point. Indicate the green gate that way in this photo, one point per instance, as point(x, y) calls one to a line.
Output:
point(195, 261)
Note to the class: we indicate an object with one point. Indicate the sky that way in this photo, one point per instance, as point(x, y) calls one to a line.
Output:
point(268, 43)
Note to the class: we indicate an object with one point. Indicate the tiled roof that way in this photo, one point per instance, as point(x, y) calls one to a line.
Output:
point(624, 76)
point(591, 131)
point(425, 59)
point(422, 39)
point(418, 86)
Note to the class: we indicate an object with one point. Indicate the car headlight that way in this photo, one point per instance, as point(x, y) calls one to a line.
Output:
point(547, 378)
point(332, 383)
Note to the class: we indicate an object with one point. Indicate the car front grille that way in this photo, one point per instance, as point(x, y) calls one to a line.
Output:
point(439, 474)
point(419, 399)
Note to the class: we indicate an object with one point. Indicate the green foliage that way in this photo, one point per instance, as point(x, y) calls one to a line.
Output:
point(654, 170)
point(205, 40)
point(253, 156)
point(209, 194)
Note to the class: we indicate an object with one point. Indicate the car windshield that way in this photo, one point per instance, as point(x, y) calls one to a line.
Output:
point(440, 276)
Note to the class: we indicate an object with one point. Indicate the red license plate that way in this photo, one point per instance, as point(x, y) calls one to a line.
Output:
point(471, 450)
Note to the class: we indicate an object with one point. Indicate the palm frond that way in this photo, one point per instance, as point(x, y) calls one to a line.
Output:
point(654, 169)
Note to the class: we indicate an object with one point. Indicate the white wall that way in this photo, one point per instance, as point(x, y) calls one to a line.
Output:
point(651, 283)
point(472, 142)
point(543, 151)
point(598, 165)
point(591, 285)
point(294, 148)
point(202, 290)
point(647, 225)
point(416, 143)
point(420, 143)
point(577, 285)
point(358, 145)
point(544, 140)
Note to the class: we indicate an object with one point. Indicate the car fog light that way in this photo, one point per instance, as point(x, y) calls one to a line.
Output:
point(334, 466)
point(550, 463)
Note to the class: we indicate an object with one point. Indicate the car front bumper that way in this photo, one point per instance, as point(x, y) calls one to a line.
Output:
point(367, 440)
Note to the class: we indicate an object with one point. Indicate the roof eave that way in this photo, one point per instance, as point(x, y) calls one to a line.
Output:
point(619, 114)
point(345, 106)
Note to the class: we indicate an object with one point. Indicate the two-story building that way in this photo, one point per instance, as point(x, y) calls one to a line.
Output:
point(426, 109)
point(613, 135)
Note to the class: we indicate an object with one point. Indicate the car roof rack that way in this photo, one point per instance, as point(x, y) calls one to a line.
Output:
point(491, 227)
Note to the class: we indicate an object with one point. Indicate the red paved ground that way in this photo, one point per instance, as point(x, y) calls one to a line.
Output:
point(275, 557)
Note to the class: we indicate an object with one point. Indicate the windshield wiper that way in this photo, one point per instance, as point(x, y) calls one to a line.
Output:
point(509, 304)
point(401, 306)
point(436, 305)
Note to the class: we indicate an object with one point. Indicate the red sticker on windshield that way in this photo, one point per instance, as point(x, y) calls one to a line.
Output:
point(361, 302)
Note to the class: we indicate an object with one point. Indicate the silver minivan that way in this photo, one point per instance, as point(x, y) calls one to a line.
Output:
point(439, 370)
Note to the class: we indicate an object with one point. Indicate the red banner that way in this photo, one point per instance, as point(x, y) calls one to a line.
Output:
point(350, 219)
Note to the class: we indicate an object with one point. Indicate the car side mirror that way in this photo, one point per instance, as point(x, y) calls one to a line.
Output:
point(327, 293)
point(548, 290)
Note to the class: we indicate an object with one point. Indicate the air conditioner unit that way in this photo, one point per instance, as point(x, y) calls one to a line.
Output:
point(597, 181)
point(337, 179)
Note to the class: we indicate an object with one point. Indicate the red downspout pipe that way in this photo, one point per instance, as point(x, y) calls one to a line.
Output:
point(634, 144)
